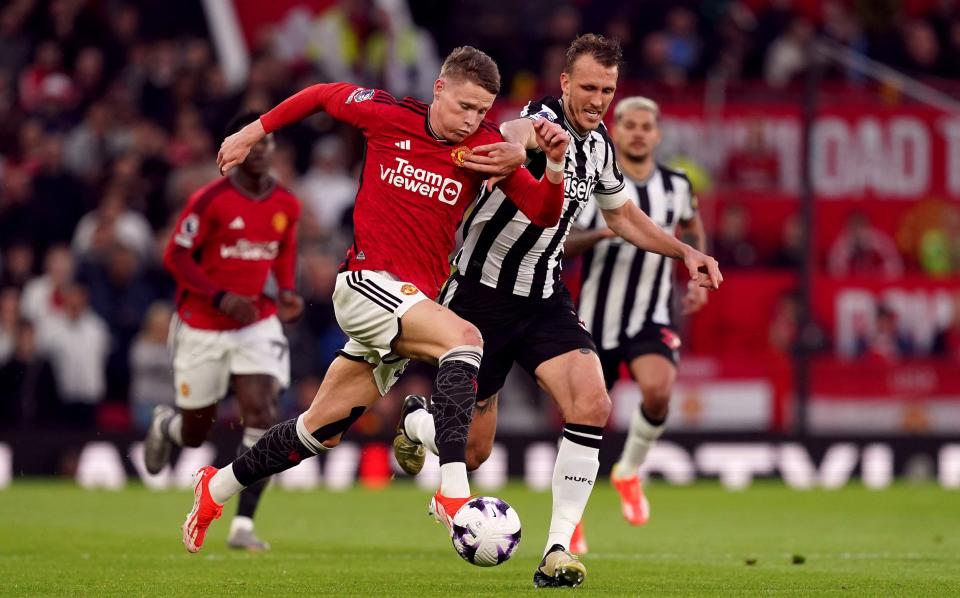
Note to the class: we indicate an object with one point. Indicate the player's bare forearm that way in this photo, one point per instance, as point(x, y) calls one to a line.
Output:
point(635, 227)
point(520, 131)
point(581, 241)
point(692, 233)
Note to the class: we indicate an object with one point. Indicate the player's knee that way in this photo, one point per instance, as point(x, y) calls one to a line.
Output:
point(656, 398)
point(592, 408)
point(466, 335)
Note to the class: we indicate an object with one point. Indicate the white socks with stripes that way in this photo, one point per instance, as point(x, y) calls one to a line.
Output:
point(640, 438)
point(574, 475)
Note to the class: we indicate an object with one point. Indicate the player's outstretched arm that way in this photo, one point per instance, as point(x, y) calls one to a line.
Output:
point(541, 201)
point(342, 101)
point(637, 228)
point(580, 241)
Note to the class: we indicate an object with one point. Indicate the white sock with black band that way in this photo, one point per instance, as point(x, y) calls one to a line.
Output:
point(574, 476)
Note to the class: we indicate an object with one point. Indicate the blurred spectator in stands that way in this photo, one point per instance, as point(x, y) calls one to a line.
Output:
point(89, 76)
point(327, 189)
point(152, 376)
point(784, 327)
point(44, 79)
point(315, 339)
point(791, 253)
point(77, 343)
point(149, 142)
point(120, 293)
point(657, 63)
point(401, 57)
point(43, 295)
point(17, 264)
point(921, 50)
point(929, 235)
point(787, 56)
point(885, 341)
point(337, 41)
point(862, 250)
point(755, 166)
point(28, 388)
point(840, 25)
point(946, 342)
point(16, 191)
point(9, 318)
point(15, 40)
point(683, 39)
point(89, 146)
point(284, 166)
point(732, 246)
point(191, 153)
point(112, 222)
point(59, 199)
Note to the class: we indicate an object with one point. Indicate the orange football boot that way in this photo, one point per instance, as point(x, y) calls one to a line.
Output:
point(204, 511)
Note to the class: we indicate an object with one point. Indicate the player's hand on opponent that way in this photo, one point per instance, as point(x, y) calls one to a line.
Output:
point(235, 148)
point(704, 270)
point(497, 159)
point(552, 139)
point(694, 299)
point(240, 308)
point(289, 306)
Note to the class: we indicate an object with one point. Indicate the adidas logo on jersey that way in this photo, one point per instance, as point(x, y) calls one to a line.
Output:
point(404, 145)
point(237, 224)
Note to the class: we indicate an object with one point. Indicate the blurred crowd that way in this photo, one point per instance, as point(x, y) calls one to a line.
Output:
point(111, 112)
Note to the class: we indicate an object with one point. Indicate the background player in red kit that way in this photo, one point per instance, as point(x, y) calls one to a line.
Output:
point(232, 234)
point(413, 192)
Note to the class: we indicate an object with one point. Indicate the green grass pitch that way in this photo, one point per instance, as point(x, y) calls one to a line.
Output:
point(905, 541)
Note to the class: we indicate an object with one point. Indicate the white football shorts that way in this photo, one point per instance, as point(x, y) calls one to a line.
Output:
point(204, 360)
point(368, 305)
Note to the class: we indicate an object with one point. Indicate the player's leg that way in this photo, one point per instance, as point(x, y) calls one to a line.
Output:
point(431, 332)
point(348, 388)
point(418, 427)
point(257, 395)
point(201, 378)
point(652, 365)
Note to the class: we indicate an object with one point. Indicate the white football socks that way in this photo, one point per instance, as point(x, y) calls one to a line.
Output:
point(224, 484)
point(640, 438)
point(574, 475)
point(453, 480)
point(419, 427)
point(174, 427)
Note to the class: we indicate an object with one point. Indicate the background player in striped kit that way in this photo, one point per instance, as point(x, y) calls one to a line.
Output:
point(626, 297)
point(508, 285)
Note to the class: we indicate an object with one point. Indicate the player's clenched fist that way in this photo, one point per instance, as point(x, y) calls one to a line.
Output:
point(552, 139)
point(235, 148)
point(240, 308)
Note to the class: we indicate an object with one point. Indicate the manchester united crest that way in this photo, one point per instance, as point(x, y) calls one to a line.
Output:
point(184, 389)
point(280, 222)
point(459, 154)
point(408, 289)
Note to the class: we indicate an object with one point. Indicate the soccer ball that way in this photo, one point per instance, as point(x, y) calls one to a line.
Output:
point(486, 531)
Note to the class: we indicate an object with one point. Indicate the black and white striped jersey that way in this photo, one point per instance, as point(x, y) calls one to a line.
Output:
point(625, 288)
point(503, 250)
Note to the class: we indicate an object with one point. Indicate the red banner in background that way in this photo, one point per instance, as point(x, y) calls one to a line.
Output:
point(861, 150)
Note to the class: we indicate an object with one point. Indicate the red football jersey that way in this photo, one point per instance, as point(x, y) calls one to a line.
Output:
point(233, 241)
point(413, 190)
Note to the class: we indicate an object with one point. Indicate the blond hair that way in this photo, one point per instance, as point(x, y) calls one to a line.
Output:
point(636, 103)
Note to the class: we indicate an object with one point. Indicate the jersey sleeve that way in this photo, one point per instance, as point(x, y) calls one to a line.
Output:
point(194, 223)
point(688, 202)
point(358, 106)
point(547, 107)
point(285, 266)
point(610, 192)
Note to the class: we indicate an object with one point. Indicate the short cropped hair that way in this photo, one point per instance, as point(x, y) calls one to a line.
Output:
point(467, 63)
point(636, 103)
point(604, 50)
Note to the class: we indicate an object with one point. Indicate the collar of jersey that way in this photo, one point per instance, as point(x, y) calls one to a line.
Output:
point(248, 195)
point(430, 131)
point(570, 128)
point(646, 181)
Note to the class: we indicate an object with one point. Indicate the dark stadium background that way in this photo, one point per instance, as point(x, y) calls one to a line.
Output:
point(832, 348)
